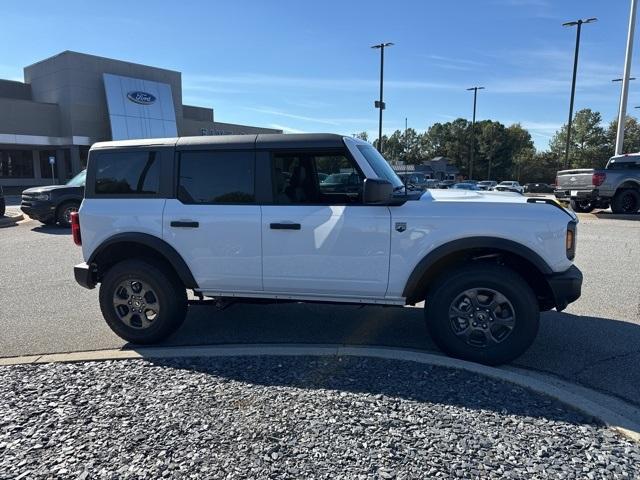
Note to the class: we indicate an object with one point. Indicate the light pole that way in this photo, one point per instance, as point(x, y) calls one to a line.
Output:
point(380, 103)
point(622, 111)
point(577, 23)
point(473, 128)
point(620, 80)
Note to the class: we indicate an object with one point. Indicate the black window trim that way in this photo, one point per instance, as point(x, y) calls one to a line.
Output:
point(307, 151)
point(178, 160)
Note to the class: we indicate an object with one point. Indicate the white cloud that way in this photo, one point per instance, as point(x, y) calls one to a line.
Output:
point(325, 121)
point(286, 129)
point(211, 82)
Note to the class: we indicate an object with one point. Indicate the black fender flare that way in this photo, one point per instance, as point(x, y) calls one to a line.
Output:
point(412, 287)
point(154, 243)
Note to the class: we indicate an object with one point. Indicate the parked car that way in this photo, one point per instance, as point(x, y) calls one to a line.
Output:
point(618, 186)
point(54, 203)
point(164, 216)
point(509, 186)
point(3, 203)
point(433, 183)
point(341, 183)
point(466, 186)
point(538, 188)
point(487, 184)
point(446, 183)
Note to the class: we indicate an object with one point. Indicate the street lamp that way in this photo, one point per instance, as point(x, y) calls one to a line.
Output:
point(577, 23)
point(379, 103)
point(473, 128)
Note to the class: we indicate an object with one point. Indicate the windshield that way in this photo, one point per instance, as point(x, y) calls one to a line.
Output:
point(380, 165)
point(78, 180)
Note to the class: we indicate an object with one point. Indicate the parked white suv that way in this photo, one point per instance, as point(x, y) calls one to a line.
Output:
point(248, 217)
point(509, 186)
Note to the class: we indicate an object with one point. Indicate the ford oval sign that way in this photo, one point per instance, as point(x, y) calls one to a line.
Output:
point(142, 98)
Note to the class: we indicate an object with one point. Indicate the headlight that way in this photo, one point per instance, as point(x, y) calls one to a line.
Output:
point(570, 242)
point(42, 196)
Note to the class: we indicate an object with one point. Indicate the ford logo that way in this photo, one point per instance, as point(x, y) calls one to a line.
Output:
point(142, 98)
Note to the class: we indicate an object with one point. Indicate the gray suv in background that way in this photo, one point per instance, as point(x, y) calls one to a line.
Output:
point(618, 186)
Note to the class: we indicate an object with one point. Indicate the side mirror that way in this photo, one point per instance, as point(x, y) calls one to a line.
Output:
point(376, 191)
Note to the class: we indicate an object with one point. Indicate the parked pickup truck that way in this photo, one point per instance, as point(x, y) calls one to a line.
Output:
point(246, 218)
point(618, 186)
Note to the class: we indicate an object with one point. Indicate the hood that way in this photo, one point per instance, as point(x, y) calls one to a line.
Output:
point(460, 195)
point(475, 196)
point(46, 188)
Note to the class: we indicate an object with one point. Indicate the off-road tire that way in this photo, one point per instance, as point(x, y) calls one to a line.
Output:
point(481, 275)
point(626, 201)
point(580, 207)
point(171, 297)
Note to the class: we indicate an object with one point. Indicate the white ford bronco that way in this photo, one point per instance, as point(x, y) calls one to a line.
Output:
point(314, 218)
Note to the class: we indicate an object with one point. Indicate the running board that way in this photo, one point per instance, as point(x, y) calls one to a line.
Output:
point(282, 297)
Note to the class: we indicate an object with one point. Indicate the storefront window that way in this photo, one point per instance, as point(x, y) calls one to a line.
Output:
point(16, 164)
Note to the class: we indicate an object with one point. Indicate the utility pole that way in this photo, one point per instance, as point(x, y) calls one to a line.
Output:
point(473, 129)
point(577, 23)
point(380, 103)
point(622, 111)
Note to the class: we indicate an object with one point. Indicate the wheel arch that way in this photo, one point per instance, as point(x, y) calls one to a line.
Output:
point(629, 184)
point(124, 246)
point(531, 267)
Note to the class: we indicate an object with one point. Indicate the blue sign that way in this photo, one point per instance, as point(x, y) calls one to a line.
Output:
point(52, 160)
point(141, 98)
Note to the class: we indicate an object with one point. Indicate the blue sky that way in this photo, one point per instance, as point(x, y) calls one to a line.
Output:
point(307, 66)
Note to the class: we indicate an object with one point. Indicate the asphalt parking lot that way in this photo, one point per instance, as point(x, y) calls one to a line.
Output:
point(595, 342)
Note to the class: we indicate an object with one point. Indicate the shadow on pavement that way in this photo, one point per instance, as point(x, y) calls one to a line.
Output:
point(51, 230)
point(606, 215)
point(596, 352)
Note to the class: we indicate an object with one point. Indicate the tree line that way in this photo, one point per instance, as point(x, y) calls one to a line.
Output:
point(507, 152)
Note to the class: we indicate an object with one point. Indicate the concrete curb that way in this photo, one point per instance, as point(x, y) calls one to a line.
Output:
point(7, 221)
point(612, 412)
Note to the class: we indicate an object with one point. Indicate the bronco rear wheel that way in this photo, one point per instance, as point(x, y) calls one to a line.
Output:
point(484, 313)
point(142, 301)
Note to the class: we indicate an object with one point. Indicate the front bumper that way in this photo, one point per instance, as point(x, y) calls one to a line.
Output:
point(566, 287)
point(42, 211)
point(85, 275)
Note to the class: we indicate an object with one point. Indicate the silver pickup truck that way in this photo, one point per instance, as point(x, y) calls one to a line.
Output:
point(618, 186)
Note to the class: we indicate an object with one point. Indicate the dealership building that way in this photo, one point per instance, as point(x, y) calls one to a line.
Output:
point(72, 100)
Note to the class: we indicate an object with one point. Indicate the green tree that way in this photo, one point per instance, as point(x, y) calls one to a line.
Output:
point(362, 136)
point(451, 140)
point(588, 146)
point(631, 136)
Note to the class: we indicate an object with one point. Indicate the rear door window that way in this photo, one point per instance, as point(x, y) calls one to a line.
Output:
point(215, 177)
point(127, 173)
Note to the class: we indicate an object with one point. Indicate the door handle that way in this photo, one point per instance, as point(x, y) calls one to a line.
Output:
point(185, 224)
point(285, 226)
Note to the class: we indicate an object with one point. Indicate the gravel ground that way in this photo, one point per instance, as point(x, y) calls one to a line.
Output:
point(295, 417)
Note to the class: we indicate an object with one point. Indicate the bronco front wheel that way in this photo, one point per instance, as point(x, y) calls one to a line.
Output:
point(484, 313)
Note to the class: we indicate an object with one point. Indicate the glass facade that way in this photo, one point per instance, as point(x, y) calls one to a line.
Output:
point(16, 164)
